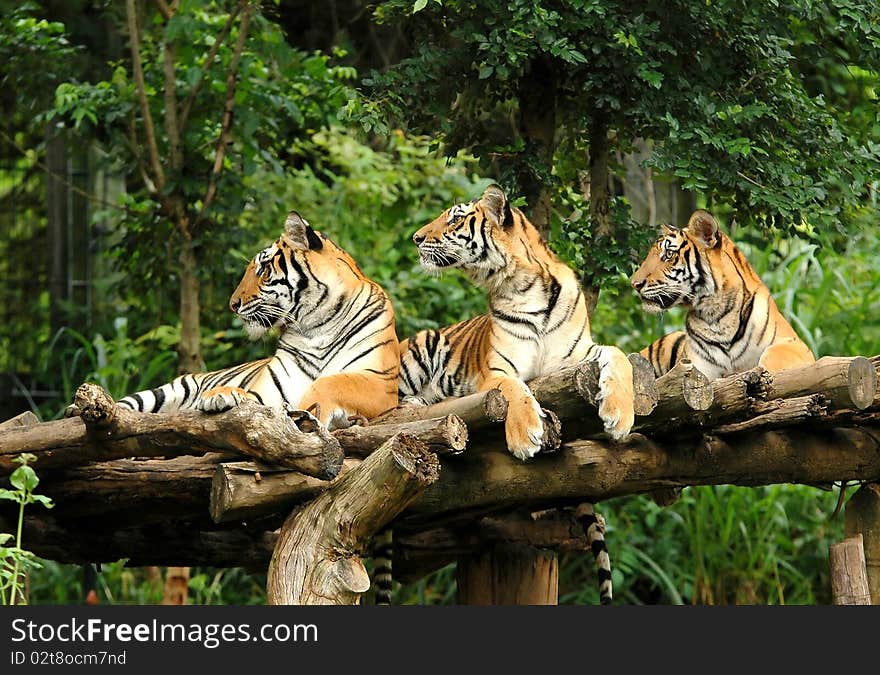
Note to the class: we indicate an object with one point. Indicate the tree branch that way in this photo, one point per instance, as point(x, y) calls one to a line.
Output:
point(229, 107)
point(209, 59)
point(138, 73)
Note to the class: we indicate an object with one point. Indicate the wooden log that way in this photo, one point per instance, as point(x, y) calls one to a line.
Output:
point(243, 491)
point(316, 559)
point(135, 491)
point(849, 578)
point(443, 435)
point(778, 413)
point(509, 573)
point(24, 419)
point(190, 543)
point(105, 431)
point(681, 391)
point(645, 394)
point(168, 542)
point(419, 553)
point(847, 382)
point(478, 411)
point(482, 481)
point(862, 518)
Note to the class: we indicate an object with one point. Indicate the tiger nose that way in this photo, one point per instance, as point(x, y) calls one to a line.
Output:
point(638, 284)
point(234, 304)
point(418, 238)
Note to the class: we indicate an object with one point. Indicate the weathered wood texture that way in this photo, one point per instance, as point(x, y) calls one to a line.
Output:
point(317, 556)
point(862, 517)
point(443, 435)
point(105, 431)
point(484, 480)
point(849, 578)
point(509, 573)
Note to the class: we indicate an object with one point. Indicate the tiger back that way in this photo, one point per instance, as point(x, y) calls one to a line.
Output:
point(337, 353)
point(732, 323)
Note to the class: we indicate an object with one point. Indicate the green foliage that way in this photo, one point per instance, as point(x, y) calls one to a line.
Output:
point(739, 99)
point(370, 198)
point(715, 545)
point(15, 561)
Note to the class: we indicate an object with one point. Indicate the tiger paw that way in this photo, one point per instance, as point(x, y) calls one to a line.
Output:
point(616, 412)
point(524, 428)
point(219, 399)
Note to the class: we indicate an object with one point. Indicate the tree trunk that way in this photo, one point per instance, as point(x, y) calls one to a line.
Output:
point(189, 350)
point(537, 125)
point(600, 200)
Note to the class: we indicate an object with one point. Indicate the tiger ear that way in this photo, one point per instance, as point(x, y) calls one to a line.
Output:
point(666, 228)
point(495, 201)
point(704, 228)
point(301, 233)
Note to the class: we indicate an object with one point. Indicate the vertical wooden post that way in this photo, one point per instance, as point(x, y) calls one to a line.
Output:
point(849, 578)
point(863, 517)
point(509, 573)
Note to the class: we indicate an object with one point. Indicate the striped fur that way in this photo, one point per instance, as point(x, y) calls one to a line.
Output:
point(537, 323)
point(733, 323)
point(594, 529)
point(338, 350)
point(383, 552)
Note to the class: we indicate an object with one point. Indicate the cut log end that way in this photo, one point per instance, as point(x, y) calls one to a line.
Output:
point(687, 382)
point(456, 432)
point(95, 406)
point(862, 379)
point(415, 458)
point(495, 406)
point(644, 384)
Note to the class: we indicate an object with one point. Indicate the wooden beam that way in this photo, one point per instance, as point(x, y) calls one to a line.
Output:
point(849, 578)
point(105, 431)
point(862, 518)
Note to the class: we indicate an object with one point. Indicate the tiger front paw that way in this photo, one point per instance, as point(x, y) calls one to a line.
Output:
point(524, 428)
point(616, 411)
point(220, 399)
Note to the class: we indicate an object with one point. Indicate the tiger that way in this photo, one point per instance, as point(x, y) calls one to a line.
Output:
point(732, 322)
point(537, 323)
point(338, 350)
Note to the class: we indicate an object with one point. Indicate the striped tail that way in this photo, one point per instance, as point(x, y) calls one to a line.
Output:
point(594, 529)
point(383, 550)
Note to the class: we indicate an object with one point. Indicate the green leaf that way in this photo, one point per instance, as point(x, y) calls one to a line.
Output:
point(4, 537)
point(486, 71)
point(11, 495)
point(419, 5)
point(24, 478)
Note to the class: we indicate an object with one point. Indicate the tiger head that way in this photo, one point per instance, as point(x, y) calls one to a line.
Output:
point(286, 282)
point(675, 271)
point(472, 236)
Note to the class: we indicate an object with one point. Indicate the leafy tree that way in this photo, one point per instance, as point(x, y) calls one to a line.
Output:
point(541, 90)
point(208, 94)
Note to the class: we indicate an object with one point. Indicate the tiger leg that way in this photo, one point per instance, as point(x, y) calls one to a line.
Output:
point(345, 395)
point(594, 529)
point(524, 426)
point(615, 389)
point(383, 550)
point(664, 353)
point(787, 354)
